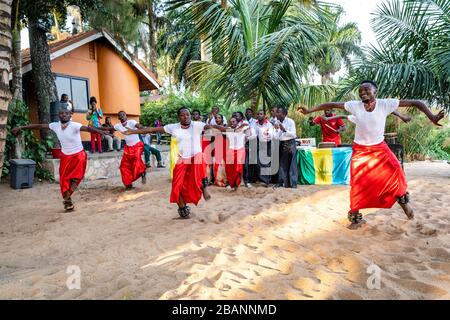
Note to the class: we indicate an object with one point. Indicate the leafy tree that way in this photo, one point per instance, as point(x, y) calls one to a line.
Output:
point(413, 58)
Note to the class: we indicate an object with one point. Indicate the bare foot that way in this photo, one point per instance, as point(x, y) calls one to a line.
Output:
point(206, 194)
point(408, 210)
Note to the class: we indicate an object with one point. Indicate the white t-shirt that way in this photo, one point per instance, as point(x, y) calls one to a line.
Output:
point(236, 140)
point(131, 139)
point(265, 132)
point(188, 140)
point(370, 126)
point(69, 138)
point(291, 132)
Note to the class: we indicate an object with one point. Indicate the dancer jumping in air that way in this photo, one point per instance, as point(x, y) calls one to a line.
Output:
point(376, 177)
point(73, 158)
point(189, 174)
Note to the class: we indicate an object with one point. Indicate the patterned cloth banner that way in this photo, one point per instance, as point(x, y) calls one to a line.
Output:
point(324, 166)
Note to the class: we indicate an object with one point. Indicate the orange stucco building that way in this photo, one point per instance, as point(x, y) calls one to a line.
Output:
point(93, 64)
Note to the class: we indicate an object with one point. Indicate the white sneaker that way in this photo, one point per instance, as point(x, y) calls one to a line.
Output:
point(229, 187)
point(248, 185)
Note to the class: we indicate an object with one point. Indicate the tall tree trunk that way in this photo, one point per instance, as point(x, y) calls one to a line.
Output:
point(44, 81)
point(16, 57)
point(152, 36)
point(16, 70)
point(5, 56)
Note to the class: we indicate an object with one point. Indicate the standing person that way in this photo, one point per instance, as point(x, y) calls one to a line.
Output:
point(94, 115)
point(189, 176)
point(215, 110)
point(376, 177)
point(331, 129)
point(73, 158)
point(235, 152)
point(251, 153)
point(273, 115)
point(196, 115)
point(218, 154)
point(65, 99)
point(286, 133)
point(131, 166)
point(265, 132)
point(158, 124)
point(250, 117)
point(110, 137)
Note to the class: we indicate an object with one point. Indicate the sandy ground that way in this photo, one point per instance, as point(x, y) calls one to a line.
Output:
point(253, 244)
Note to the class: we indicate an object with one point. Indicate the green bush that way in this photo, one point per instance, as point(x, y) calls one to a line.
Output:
point(167, 108)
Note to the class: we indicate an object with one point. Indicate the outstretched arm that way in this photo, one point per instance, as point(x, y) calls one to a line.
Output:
point(16, 130)
point(215, 126)
point(93, 129)
point(423, 107)
point(401, 116)
point(323, 106)
point(341, 116)
point(144, 130)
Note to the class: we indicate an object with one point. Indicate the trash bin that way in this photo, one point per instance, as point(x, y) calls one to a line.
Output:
point(21, 173)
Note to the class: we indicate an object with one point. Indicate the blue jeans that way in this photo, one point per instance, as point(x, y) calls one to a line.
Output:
point(158, 137)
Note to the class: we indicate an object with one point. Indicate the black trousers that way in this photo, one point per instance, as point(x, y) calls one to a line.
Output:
point(264, 161)
point(288, 173)
point(249, 167)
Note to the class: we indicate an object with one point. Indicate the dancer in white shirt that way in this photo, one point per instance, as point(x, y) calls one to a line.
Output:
point(189, 174)
point(376, 177)
point(73, 158)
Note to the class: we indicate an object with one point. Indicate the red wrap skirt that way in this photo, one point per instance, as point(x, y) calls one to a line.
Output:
point(376, 177)
point(234, 166)
point(71, 167)
point(131, 166)
point(187, 179)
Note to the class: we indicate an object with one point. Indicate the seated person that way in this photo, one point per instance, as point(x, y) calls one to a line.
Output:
point(110, 137)
point(148, 149)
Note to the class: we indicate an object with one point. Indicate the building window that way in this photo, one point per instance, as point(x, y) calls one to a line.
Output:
point(76, 88)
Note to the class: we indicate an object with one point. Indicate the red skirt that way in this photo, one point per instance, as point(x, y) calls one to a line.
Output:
point(131, 166)
point(71, 167)
point(187, 179)
point(336, 140)
point(220, 147)
point(376, 177)
point(234, 166)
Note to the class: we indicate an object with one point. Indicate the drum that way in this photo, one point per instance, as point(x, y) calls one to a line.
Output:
point(391, 138)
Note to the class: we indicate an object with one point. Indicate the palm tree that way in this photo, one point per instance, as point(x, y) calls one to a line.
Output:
point(337, 45)
point(179, 42)
point(261, 51)
point(413, 58)
point(5, 94)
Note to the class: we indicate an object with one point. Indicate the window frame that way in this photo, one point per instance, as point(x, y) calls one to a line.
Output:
point(71, 90)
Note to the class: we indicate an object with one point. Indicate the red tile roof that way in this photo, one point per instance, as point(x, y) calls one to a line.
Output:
point(54, 46)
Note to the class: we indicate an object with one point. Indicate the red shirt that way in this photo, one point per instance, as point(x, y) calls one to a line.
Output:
point(328, 127)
